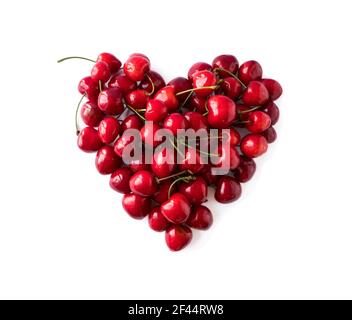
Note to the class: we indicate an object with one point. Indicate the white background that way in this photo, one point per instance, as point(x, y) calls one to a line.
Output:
point(63, 233)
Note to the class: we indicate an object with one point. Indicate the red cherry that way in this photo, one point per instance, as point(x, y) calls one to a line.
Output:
point(157, 221)
point(101, 72)
point(138, 165)
point(136, 66)
point(273, 111)
point(121, 143)
point(203, 78)
point(231, 87)
point(274, 88)
point(270, 135)
point(89, 87)
point(222, 111)
point(149, 133)
point(254, 145)
point(196, 191)
point(177, 209)
point(106, 160)
point(163, 163)
point(235, 137)
point(243, 113)
point(208, 175)
point(227, 190)
point(113, 63)
point(162, 194)
point(91, 114)
point(155, 111)
point(227, 62)
point(132, 122)
point(256, 94)
point(196, 121)
point(230, 157)
point(119, 180)
point(178, 237)
point(201, 218)
point(157, 80)
point(88, 140)
point(109, 128)
point(198, 103)
point(199, 66)
point(110, 101)
point(245, 171)
point(192, 161)
point(122, 82)
point(143, 183)
point(168, 97)
point(249, 71)
point(174, 122)
point(136, 206)
point(180, 84)
point(137, 99)
point(259, 121)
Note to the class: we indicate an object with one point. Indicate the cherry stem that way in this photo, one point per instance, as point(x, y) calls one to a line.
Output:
point(176, 148)
point(249, 110)
point(196, 89)
point(206, 108)
point(152, 83)
point(240, 122)
point(200, 151)
point(232, 75)
point(185, 179)
point(75, 57)
point(172, 176)
point(135, 111)
point(76, 116)
point(185, 101)
point(100, 86)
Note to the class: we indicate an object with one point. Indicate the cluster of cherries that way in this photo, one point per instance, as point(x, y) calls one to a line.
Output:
point(221, 95)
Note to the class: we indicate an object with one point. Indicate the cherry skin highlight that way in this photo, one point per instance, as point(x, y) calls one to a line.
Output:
point(249, 71)
point(256, 94)
point(201, 218)
point(168, 97)
point(222, 111)
point(246, 169)
point(163, 163)
point(227, 190)
point(143, 183)
point(106, 160)
point(89, 87)
point(177, 209)
point(157, 221)
point(137, 99)
point(227, 62)
point(109, 128)
point(88, 140)
point(91, 114)
point(136, 206)
point(155, 111)
point(178, 237)
point(259, 121)
point(101, 72)
point(110, 101)
point(199, 66)
point(254, 145)
point(119, 180)
point(196, 121)
point(180, 84)
point(121, 81)
point(113, 63)
point(201, 79)
point(136, 67)
point(231, 87)
point(132, 122)
point(196, 191)
point(174, 122)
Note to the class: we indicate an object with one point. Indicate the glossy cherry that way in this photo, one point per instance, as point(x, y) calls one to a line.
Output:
point(227, 62)
point(136, 206)
point(228, 158)
point(227, 190)
point(254, 145)
point(274, 88)
point(273, 111)
point(157, 221)
point(137, 99)
point(121, 143)
point(89, 87)
point(231, 87)
point(164, 163)
point(222, 111)
point(198, 66)
point(180, 84)
point(192, 161)
point(136, 67)
point(155, 110)
point(143, 183)
point(113, 63)
point(168, 97)
point(88, 140)
point(110, 101)
point(149, 133)
point(178, 237)
point(259, 121)
point(91, 114)
point(201, 79)
point(177, 209)
point(209, 176)
point(249, 71)
point(256, 94)
point(162, 194)
point(174, 122)
point(246, 169)
point(106, 160)
point(139, 164)
point(198, 103)
point(109, 128)
point(270, 135)
point(124, 83)
point(101, 72)
point(201, 218)
point(119, 180)
point(154, 77)
point(196, 191)
point(196, 121)
point(132, 122)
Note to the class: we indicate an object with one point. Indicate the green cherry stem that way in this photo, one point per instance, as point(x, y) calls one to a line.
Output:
point(185, 101)
point(176, 147)
point(135, 111)
point(76, 115)
point(200, 151)
point(232, 75)
point(75, 57)
point(184, 179)
point(249, 110)
point(172, 176)
point(152, 83)
point(197, 89)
